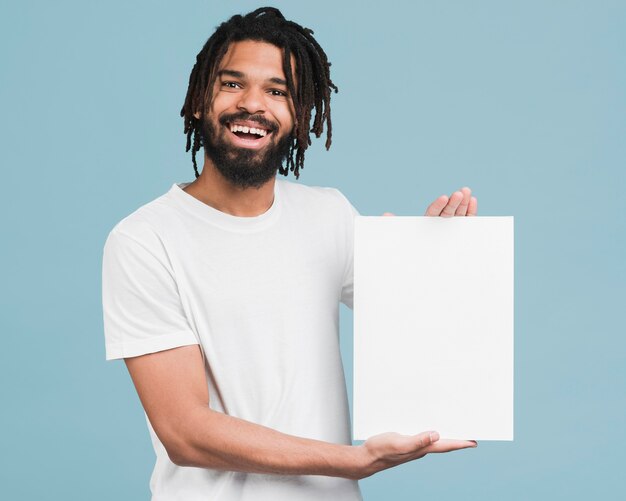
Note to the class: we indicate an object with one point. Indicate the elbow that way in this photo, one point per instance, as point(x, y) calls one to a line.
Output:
point(178, 456)
point(177, 443)
point(178, 452)
point(178, 449)
point(183, 446)
point(184, 455)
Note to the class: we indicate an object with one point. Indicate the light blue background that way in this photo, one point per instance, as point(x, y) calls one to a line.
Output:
point(523, 101)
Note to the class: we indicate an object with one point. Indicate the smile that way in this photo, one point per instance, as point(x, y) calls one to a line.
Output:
point(247, 131)
point(248, 134)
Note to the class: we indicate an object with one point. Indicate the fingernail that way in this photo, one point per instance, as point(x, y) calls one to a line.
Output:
point(434, 436)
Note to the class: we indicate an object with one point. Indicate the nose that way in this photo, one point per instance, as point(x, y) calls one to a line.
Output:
point(252, 101)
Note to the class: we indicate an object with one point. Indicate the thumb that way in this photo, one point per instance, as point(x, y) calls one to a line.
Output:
point(427, 438)
point(420, 441)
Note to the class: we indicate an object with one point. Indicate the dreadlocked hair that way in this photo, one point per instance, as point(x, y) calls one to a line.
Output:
point(312, 71)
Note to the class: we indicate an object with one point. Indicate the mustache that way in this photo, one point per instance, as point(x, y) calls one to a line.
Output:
point(242, 115)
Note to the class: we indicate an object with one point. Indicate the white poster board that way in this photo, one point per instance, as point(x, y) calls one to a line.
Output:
point(433, 326)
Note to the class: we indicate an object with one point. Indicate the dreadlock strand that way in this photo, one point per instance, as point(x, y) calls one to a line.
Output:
point(196, 147)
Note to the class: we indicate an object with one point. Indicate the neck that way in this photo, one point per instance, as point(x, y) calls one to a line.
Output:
point(214, 190)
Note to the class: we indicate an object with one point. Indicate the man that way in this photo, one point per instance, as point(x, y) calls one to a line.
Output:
point(222, 296)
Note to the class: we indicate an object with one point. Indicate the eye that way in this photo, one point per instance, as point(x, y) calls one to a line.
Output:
point(231, 85)
point(278, 93)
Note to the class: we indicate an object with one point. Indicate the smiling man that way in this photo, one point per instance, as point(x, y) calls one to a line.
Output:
point(222, 296)
point(247, 133)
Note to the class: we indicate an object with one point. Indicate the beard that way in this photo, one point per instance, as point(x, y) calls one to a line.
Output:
point(244, 167)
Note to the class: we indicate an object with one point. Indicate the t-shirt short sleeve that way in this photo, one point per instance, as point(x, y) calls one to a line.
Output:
point(141, 303)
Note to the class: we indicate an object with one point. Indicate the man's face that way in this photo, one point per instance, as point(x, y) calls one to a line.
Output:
point(248, 130)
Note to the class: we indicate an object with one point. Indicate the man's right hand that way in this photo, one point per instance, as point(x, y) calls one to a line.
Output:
point(391, 449)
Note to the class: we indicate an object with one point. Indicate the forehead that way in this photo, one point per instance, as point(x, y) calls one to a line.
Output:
point(255, 59)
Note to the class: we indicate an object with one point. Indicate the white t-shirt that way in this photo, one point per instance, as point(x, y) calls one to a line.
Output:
point(261, 296)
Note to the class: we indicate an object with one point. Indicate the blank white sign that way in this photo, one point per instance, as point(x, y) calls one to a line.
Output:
point(433, 326)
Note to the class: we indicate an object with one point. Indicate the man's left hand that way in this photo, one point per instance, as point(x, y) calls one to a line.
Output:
point(460, 203)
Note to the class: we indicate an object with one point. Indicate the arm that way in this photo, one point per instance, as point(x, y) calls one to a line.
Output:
point(172, 388)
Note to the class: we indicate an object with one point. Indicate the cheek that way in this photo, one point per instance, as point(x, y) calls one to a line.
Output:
point(223, 101)
point(287, 117)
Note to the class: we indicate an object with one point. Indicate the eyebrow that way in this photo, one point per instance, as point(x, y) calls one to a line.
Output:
point(239, 74)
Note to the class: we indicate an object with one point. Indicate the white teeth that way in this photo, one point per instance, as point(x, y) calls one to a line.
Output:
point(259, 132)
point(248, 130)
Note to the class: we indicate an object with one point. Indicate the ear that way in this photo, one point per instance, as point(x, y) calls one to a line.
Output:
point(196, 115)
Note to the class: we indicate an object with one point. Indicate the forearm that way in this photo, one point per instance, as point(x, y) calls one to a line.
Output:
point(210, 439)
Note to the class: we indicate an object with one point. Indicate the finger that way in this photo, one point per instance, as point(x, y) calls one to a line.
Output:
point(388, 214)
point(472, 208)
point(437, 206)
point(453, 204)
point(425, 439)
point(440, 446)
point(410, 444)
point(448, 445)
point(462, 208)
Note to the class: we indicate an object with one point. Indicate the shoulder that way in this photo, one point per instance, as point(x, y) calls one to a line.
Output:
point(147, 225)
point(318, 197)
